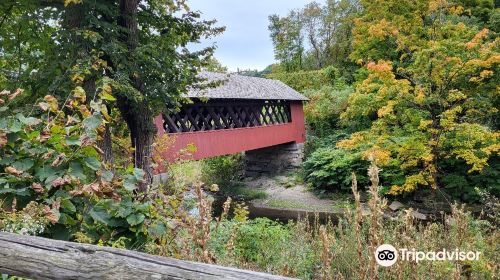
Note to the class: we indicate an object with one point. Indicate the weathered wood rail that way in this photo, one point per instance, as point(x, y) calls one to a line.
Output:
point(42, 258)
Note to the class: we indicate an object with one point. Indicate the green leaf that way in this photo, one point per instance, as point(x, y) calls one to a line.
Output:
point(107, 176)
point(158, 229)
point(93, 163)
point(124, 212)
point(67, 220)
point(24, 164)
point(29, 120)
point(129, 182)
point(7, 160)
point(107, 96)
point(76, 169)
point(135, 219)
point(139, 174)
point(73, 141)
point(67, 205)
point(101, 215)
point(15, 126)
point(20, 192)
point(92, 122)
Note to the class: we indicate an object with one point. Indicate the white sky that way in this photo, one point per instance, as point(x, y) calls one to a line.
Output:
point(246, 43)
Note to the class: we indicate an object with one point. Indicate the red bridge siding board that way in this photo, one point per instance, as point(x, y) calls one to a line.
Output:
point(230, 141)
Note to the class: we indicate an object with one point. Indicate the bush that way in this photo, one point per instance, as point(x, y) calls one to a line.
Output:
point(463, 185)
point(331, 169)
point(222, 170)
point(54, 184)
point(310, 250)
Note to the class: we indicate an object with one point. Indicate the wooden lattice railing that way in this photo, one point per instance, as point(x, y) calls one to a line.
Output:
point(222, 114)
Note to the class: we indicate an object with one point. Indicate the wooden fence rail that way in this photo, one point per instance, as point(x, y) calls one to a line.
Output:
point(42, 258)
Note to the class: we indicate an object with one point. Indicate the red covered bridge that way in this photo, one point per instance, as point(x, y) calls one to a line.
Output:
point(241, 114)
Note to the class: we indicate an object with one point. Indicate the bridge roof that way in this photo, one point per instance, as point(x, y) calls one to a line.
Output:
point(236, 86)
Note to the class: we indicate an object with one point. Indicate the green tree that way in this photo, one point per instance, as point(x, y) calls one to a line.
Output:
point(131, 51)
point(316, 36)
point(288, 40)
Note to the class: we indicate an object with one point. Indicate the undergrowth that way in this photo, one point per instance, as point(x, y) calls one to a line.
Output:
point(341, 250)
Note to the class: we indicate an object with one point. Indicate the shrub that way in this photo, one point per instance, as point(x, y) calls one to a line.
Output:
point(53, 182)
point(331, 169)
point(222, 170)
point(463, 185)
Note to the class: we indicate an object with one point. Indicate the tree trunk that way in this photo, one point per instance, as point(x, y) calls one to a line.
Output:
point(138, 115)
point(74, 20)
point(106, 145)
point(139, 119)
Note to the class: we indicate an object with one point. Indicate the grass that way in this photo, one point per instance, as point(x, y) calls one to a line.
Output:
point(343, 250)
point(185, 173)
point(281, 203)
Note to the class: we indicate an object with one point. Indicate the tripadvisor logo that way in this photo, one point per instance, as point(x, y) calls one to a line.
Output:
point(386, 255)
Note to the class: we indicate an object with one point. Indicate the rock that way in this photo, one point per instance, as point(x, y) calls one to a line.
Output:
point(419, 216)
point(396, 205)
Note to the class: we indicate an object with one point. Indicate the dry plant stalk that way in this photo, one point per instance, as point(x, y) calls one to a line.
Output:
point(326, 258)
point(225, 210)
point(200, 228)
point(231, 242)
point(375, 205)
point(358, 219)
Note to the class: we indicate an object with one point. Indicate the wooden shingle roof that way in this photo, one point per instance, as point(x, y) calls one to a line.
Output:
point(234, 86)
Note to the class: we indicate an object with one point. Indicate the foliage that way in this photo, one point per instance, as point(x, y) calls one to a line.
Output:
point(322, 112)
point(214, 65)
point(53, 182)
point(242, 192)
point(331, 169)
point(434, 98)
point(138, 50)
point(312, 250)
point(468, 187)
point(287, 39)
point(222, 170)
point(306, 80)
point(315, 36)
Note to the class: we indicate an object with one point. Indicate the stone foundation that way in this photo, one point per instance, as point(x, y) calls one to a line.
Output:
point(274, 160)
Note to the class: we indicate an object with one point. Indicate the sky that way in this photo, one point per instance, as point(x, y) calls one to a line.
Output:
point(246, 43)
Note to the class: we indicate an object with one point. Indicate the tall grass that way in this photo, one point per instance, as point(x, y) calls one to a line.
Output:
point(344, 250)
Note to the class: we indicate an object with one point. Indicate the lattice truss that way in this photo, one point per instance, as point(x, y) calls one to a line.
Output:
point(221, 114)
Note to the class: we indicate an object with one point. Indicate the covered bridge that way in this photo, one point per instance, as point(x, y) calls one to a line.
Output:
point(241, 114)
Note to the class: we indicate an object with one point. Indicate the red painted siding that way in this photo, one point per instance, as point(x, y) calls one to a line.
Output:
point(230, 141)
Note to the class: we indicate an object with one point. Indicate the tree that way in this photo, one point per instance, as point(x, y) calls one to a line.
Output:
point(316, 36)
point(431, 89)
point(313, 17)
point(287, 39)
point(130, 51)
point(214, 65)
